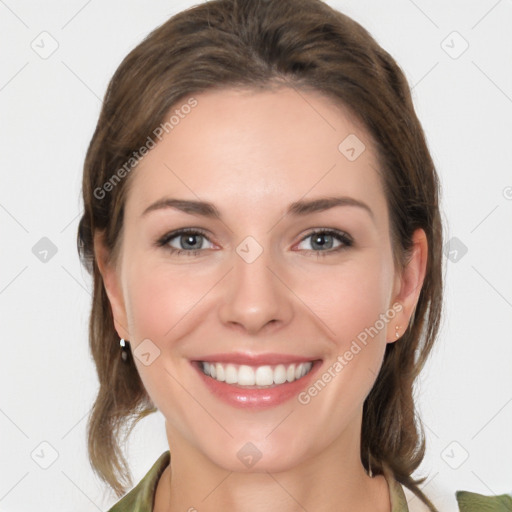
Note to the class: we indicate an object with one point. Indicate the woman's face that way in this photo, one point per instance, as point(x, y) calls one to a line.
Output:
point(276, 276)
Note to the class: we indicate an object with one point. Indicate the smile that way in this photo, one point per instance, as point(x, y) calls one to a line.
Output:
point(255, 382)
point(255, 376)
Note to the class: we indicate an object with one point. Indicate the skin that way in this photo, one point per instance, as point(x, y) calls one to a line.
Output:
point(251, 154)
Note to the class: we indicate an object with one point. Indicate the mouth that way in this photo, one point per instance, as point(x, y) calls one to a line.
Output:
point(255, 382)
point(255, 377)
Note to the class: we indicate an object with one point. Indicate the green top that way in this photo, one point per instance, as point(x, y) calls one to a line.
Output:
point(142, 496)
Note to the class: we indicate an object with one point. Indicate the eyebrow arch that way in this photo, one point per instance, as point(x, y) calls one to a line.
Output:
point(298, 208)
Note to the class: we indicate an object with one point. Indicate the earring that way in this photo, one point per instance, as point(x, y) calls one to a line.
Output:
point(125, 348)
point(397, 328)
point(370, 472)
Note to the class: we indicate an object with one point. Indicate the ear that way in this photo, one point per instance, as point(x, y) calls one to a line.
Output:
point(112, 283)
point(408, 284)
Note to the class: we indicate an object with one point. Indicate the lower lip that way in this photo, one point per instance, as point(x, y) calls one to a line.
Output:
point(253, 398)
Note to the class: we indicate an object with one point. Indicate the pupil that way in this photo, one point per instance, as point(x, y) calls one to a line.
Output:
point(189, 239)
point(318, 240)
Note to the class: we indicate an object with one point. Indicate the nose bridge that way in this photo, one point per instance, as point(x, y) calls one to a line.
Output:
point(255, 296)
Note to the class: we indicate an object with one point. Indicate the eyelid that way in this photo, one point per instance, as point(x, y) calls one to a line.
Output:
point(329, 231)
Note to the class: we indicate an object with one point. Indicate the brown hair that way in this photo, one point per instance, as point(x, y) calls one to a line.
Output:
point(253, 44)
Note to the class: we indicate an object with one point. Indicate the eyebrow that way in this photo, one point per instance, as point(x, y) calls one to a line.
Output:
point(296, 209)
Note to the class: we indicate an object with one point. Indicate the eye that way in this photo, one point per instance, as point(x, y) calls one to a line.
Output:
point(324, 240)
point(188, 241)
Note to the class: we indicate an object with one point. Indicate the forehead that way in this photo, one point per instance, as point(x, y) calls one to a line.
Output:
point(248, 148)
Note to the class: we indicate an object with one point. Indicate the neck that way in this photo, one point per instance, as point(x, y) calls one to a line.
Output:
point(334, 479)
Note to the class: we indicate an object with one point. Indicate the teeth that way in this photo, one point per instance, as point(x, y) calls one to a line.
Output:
point(244, 375)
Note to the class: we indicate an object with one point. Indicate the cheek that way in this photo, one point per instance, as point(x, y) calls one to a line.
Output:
point(159, 298)
point(162, 306)
point(353, 303)
point(350, 298)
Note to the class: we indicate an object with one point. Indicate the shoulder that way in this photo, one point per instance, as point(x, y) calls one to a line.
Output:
point(467, 502)
point(404, 500)
point(141, 497)
point(473, 502)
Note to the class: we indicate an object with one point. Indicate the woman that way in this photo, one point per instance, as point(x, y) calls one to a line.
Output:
point(262, 223)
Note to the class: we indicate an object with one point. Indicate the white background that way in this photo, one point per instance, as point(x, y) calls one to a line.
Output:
point(49, 108)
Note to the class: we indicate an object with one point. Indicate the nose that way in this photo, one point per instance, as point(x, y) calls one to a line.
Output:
point(256, 298)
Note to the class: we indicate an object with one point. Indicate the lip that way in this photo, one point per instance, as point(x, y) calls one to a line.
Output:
point(251, 398)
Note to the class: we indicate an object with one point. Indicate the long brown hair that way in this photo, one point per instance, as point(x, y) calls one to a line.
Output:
point(303, 44)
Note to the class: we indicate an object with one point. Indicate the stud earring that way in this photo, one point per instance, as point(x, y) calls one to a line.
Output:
point(125, 348)
point(397, 334)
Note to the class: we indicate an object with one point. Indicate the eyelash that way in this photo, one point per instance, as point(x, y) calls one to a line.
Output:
point(339, 235)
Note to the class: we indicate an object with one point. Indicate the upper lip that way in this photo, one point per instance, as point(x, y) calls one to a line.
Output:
point(255, 359)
